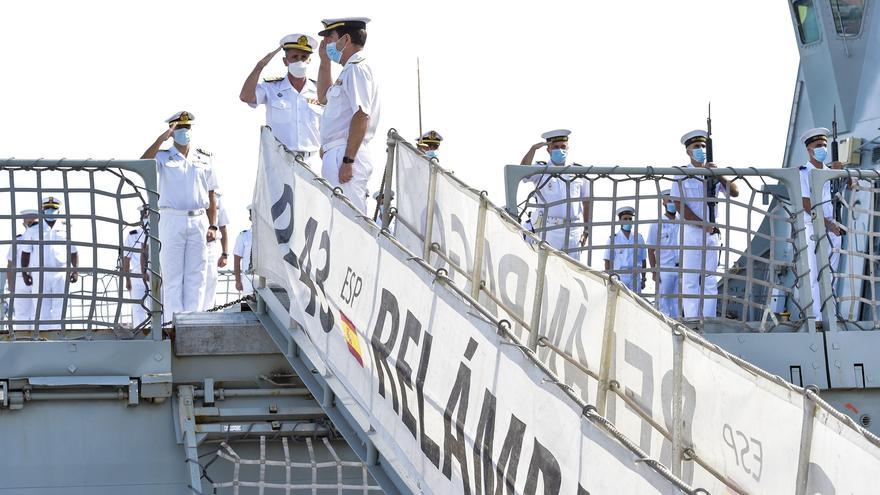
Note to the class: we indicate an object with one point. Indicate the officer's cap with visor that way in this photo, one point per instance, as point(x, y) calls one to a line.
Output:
point(814, 134)
point(348, 23)
point(556, 136)
point(51, 202)
point(695, 136)
point(666, 192)
point(182, 118)
point(299, 41)
point(626, 209)
point(28, 213)
point(381, 193)
point(430, 137)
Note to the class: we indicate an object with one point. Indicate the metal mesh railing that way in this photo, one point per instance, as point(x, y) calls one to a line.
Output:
point(288, 475)
point(72, 253)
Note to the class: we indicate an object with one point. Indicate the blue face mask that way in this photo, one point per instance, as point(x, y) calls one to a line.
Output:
point(50, 212)
point(431, 153)
point(182, 136)
point(626, 227)
point(699, 155)
point(333, 53)
point(670, 207)
point(557, 156)
point(820, 153)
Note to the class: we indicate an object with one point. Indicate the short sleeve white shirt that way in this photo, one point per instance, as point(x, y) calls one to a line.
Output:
point(243, 249)
point(354, 90)
point(294, 116)
point(53, 256)
point(184, 182)
point(624, 253)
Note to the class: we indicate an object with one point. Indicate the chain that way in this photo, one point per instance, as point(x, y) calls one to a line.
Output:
point(249, 297)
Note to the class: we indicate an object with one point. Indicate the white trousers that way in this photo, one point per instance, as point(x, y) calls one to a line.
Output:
point(211, 274)
point(183, 256)
point(139, 291)
point(814, 269)
point(557, 237)
point(667, 292)
point(702, 286)
point(362, 168)
point(53, 297)
point(22, 309)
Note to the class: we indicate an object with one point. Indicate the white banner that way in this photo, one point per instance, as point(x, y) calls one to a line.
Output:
point(466, 411)
point(742, 424)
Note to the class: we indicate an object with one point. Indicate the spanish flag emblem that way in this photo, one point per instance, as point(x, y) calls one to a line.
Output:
point(351, 338)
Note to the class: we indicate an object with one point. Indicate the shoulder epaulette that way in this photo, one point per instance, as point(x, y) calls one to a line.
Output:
point(539, 162)
point(802, 167)
point(273, 79)
point(133, 232)
point(355, 62)
point(203, 152)
point(313, 81)
point(18, 236)
point(244, 231)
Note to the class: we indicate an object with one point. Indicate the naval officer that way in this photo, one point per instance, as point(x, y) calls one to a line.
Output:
point(188, 212)
point(351, 114)
point(816, 142)
point(429, 143)
point(23, 308)
point(293, 111)
point(626, 253)
point(134, 268)
point(701, 247)
point(51, 285)
point(572, 192)
point(241, 262)
point(664, 256)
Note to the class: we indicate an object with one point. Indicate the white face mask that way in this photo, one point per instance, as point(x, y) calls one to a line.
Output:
point(181, 136)
point(297, 69)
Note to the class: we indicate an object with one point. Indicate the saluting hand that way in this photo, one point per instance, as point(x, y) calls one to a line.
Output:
point(322, 52)
point(269, 56)
point(167, 134)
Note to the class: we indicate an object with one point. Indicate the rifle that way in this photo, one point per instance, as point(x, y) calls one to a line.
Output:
point(711, 182)
point(836, 184)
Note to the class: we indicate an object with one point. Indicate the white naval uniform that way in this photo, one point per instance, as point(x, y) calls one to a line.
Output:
point(243, 251)
point(184, 185)
point(626, 255)
point(354, 89)
point(134, 240)
point(294, 116)
point(53, 285)
point(701, 250)
point(665, 235)
point(22, 308)
point(827, 212)
point(215, 250)
point(555, 189)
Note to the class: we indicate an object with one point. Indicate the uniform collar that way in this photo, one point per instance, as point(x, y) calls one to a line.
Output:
point(356, 57)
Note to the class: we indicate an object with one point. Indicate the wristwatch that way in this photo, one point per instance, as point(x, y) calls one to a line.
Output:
point(213, 227)
point(346, 159)
point(225, 255)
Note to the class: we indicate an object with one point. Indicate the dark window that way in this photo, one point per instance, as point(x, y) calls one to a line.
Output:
point(847, 16)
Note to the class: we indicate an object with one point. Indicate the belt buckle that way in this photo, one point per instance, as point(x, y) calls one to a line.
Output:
point(192, 213)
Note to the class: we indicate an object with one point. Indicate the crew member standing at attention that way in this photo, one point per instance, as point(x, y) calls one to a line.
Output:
point(701, 248)
point(188, 211)
point(241, 266)
point(625, 254)
point(292, 107)
point(571, 195)
point(816, 141)
point(218, 253)
point(22, 308)
point(429, 143)
point(51, 285)
point(351, 114)
point(663, 253)
point(134, 271)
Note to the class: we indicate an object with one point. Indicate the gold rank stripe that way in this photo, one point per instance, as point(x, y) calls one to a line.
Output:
point(334, 25)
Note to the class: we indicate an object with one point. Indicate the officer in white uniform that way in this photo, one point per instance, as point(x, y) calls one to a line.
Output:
point(242, 259)
point(816, 141)
point(35, 258)
point(664, 254)
point(23, 308)
point(572, 194)
point(292, 107)
point(701, 247)
point(626, 253)
point(429, 143)
point(134, 268)
point(188, 212)
point(218, 253)
point(351, 114)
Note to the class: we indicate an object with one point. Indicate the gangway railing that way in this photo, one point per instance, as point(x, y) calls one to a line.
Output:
point(362, 320)
point(99, 205)
point(687, 400)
